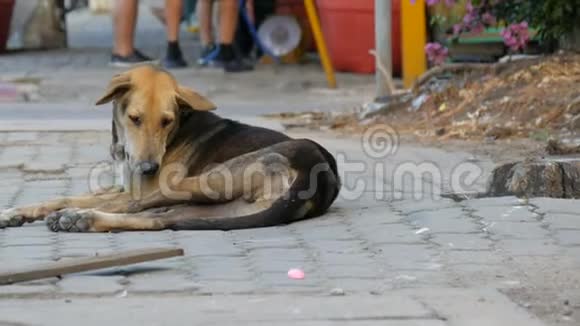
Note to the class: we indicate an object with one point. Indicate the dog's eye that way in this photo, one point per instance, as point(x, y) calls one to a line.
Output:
point(136, 120)
point(166, 122)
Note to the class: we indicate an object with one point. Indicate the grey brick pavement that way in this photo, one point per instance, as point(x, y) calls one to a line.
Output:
point(361, 247)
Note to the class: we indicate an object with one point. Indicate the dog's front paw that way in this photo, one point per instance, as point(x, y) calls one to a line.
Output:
point(11, 218)
point(71, 220)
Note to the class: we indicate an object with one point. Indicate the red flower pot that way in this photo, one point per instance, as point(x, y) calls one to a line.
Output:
point(348, 27)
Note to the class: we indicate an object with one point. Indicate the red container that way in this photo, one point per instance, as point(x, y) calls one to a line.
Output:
point(6, 7)
point(348, 27)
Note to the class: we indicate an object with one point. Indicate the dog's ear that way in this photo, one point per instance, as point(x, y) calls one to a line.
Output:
point(189, 98)
point(118, 85)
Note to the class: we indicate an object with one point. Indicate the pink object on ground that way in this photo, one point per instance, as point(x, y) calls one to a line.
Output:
point(296, 274)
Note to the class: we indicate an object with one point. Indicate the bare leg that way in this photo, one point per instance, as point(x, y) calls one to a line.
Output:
point(124, 21)
point(173, 10)
point(228, 21)
point(204, 15)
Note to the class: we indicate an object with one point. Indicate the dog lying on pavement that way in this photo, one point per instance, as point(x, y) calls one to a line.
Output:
point(186, 168)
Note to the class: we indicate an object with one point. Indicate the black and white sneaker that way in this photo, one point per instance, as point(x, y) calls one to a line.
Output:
point(127, 61)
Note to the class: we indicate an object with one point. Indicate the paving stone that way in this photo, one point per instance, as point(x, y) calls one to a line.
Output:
point(406, 257)
point(287, 243)
point(50, 158)
point(356, 285)
point(416, 279)
point(226, 287)
point(17, 156)
point(517, 230)
point(353, 272)
point(321, 247)
point(26, 289)
point(21, 137)
point(443, 223)
point(86, 284)
point(230, 269)
point(457, 257)
point(391, 233)
point(335, 232)
point(260, 234)
point(556, 205)
point(371, 216)
point(526, 247)
point(451, 212)
point(562, 221)
point(507, 214)
point(214, 244)
point(568, 237)
point(413, 206)
point(462, 241)
point(338, 259)
point(509, 201)
point(161, 282)
point(292, 254)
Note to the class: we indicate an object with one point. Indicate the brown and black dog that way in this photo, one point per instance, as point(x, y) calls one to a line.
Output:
point(187, 168)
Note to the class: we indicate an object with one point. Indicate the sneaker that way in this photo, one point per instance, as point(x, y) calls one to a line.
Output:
point(208, 54)
point(127, 61)
point(174, 60)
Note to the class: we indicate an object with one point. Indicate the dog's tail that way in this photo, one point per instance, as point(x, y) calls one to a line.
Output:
point(310, 195)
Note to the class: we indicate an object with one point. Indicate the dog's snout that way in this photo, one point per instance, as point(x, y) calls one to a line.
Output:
point(148, 167)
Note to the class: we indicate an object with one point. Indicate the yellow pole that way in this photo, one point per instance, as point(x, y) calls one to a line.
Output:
point(320, 42)
point(414, 38)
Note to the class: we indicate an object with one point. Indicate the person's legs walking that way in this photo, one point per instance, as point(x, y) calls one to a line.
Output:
point(124, 23)
point(204, 11)
point(174, 57)
point(224, 55)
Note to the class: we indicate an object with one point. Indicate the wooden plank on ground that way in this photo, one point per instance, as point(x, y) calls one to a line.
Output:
point(78, 265)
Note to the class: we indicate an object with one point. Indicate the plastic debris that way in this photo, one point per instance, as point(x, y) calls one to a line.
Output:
point(422, 230)
point(296, 274)
point(337, 292)
point(419, 101)
point(122, 294)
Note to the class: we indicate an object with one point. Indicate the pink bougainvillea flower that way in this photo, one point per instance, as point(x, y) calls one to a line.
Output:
point(457, 28)
point(449, 3)
point(516, 36)
point(436, 53)
point(488, 19)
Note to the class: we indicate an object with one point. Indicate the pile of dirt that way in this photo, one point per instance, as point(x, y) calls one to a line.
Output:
point(531, 98)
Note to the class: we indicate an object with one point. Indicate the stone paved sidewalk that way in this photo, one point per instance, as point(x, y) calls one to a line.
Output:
point(361, 247)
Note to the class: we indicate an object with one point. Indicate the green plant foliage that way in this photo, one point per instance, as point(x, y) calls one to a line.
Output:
point(552, 18)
